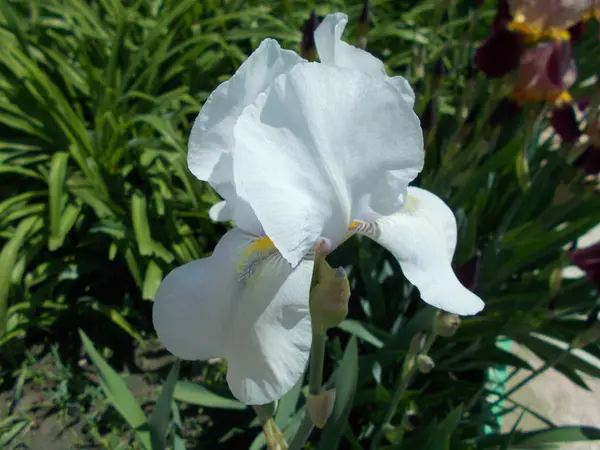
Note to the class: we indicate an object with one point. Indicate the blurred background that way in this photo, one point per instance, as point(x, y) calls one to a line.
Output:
point(97, 99)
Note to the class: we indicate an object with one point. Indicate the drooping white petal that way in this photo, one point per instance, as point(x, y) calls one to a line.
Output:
point(333, 51)
point(246, 304)
point(269, 340)
point(422, 236)
point(321, 146)
point(192, 305)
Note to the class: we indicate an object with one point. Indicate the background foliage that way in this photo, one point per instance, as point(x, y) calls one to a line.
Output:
point(97, 99)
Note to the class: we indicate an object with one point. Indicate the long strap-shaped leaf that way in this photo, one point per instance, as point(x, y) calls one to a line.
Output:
point(118, 393)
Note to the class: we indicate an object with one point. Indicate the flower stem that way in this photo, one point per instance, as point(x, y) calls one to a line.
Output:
point(315, 379)
point(317, 358)
point(273, 435)
point(408, 372)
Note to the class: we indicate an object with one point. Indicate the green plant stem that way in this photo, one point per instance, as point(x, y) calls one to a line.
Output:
point(317, 359)
point(408, 372)
point(315, 379)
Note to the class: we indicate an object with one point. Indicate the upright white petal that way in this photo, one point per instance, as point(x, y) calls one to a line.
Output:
point(321, 146)
point(212, 131)
point(335, 52)
point(422, 236)
point(270, 336)
point(192, 305)
point(211, 140)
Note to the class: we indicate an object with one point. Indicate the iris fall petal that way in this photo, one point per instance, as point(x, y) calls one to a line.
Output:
point(245, 304)
point(422, 236)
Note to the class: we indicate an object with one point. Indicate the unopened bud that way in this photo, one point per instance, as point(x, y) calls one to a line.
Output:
point(555, 281)
point(274, 437)
point(307, 46)
point(364, 23)
point(429, 115)
point(320, 407)
point(425, 364)
point(417, 343)
point(446, 324)
point(329, 298)
point(410, 421)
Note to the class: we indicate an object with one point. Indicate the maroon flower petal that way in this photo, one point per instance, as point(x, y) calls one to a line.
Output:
point(500, 53)
point(576, 31)
point(588, 260)
point(589, 161)
point(583, 103)
point(503, 16)
point(559, 62)
point(564, 122)
point(468, 273)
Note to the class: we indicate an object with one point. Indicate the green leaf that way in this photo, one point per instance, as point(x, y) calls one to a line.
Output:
point(8, 259)
point(345, 388)
point(441, 438)
point(113, 314)
point(152, 280)
point(198, 394)
point(118, 394)
point(359, 330)
point(56, 183)
point(286, 407)
point(141, 226)
point(160, 417)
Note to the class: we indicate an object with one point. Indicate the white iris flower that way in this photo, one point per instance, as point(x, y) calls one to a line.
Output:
point(304, 154)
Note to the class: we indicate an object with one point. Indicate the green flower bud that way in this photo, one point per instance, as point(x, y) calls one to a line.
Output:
point(329, 298)
point(410, 421)
point(425, 363)
point(446, 324)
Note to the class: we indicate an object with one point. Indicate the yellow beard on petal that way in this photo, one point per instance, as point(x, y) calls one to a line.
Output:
point(259, 250)
point(534, 32)
point(556, 97)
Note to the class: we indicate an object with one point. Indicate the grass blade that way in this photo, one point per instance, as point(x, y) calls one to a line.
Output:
point(160, 417)
point(118, 393)
point(56, 182)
